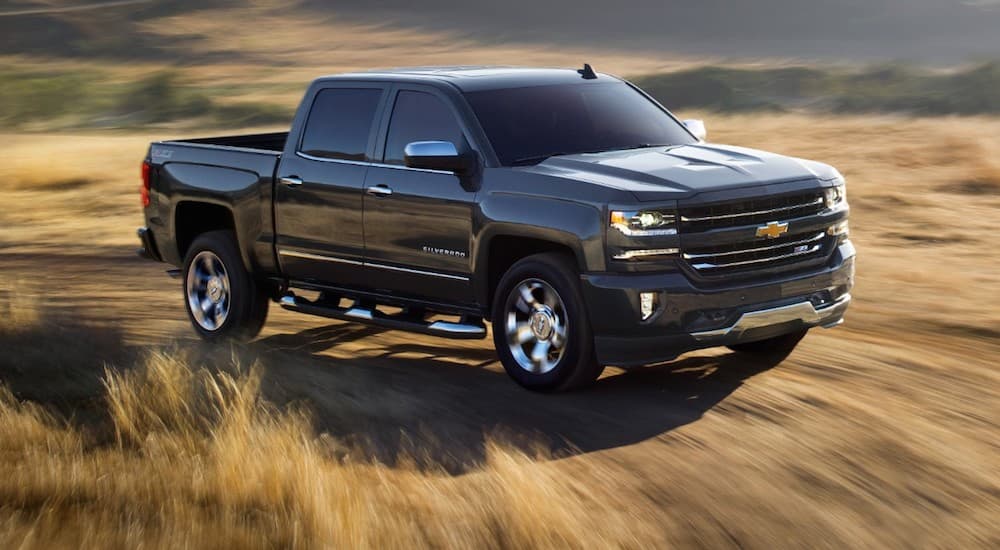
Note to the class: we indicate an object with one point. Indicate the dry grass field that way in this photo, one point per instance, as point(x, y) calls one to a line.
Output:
point(118, 429)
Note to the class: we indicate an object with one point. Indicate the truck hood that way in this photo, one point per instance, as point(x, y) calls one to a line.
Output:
point(661, 173)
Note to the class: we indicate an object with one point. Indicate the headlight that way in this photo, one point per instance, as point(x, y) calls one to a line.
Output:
point(835, 195)
point(644, 223)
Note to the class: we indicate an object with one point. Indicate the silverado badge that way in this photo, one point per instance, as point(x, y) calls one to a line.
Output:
point(772, 230)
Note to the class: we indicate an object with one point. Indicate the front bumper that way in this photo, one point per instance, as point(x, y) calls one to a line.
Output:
point(804, 313)
point(690, 317)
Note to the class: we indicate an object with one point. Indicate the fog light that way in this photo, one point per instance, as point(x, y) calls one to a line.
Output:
point(647, 304)
point(841, 230)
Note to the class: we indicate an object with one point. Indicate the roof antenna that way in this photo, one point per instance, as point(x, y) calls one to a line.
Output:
point(586, 72)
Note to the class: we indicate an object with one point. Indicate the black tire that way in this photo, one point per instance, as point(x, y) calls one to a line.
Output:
point(245, 300)
point(570, 336)
point(778, 347)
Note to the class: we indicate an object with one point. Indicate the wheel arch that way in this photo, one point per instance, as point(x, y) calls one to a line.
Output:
point(504, 250)
point(516, 225)
point(193, 218)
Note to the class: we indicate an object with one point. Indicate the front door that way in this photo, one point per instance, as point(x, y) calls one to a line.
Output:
point(318, 200)
point(418, 223)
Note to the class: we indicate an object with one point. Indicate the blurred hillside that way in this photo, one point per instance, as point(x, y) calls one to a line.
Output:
point(938, 31)
point(223, 63)
point(922, 31)
point(88, 29)
point(887, 88)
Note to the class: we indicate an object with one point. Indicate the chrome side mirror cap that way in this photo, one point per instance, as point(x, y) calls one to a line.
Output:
point(436, 155)
point(696, 127)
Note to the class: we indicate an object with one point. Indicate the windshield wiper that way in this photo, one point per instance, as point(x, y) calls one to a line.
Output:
point(638, 146)
point(535, 159)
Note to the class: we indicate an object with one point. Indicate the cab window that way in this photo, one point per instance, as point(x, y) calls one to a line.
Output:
point(340, 123)
point(420, 116)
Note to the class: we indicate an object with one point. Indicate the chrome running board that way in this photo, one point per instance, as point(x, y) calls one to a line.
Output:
point(468, 328)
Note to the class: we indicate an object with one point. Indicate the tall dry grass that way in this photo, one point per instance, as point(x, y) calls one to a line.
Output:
point(199, 459)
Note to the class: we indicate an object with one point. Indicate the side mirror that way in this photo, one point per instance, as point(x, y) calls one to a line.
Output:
point(697, 128)
point(436, 155)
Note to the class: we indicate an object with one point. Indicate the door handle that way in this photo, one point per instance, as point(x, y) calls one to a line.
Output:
point(379, 190)
point(291, 181)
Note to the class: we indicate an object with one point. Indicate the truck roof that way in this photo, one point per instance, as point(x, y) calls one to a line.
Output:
point(473, 77)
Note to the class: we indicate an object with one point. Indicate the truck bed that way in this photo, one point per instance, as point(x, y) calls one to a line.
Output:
point(274, 142)
point(235, 173)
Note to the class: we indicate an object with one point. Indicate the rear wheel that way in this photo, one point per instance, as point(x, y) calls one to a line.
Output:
point(223, 300)
point(540, 327)
point(778, 347)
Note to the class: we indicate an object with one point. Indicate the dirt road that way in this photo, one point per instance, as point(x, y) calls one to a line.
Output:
point(881, 432)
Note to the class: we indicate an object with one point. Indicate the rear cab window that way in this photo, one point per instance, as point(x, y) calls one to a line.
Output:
point(340, 123)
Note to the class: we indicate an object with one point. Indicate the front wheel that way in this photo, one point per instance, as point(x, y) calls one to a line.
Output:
point(540, 326)
point(223, 300)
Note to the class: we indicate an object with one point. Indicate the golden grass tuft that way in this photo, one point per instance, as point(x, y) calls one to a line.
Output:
point(201, 459)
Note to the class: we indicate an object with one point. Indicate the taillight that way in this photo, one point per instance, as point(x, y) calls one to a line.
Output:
point(144, 190)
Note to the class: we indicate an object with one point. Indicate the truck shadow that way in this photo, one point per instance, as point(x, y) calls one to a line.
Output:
point(441, 405)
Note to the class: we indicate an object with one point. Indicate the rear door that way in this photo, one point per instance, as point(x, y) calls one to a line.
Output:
point(318, 196)
point(418, 223)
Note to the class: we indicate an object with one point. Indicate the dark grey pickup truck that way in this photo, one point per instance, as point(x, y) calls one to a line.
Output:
point(566, 207)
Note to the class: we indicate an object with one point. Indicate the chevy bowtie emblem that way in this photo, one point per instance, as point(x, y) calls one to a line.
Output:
point(772, 230)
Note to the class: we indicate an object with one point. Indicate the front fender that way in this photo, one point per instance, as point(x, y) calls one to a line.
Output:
point(576, 226)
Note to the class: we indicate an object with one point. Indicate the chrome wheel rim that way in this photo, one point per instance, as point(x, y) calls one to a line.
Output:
point(536, 326)
point(208, 293)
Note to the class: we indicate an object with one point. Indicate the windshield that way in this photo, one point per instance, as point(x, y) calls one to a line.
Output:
point(527, 125)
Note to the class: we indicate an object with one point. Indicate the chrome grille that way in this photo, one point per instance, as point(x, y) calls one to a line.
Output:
point(749, 211)
point(746, 253)
point(756, 254)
